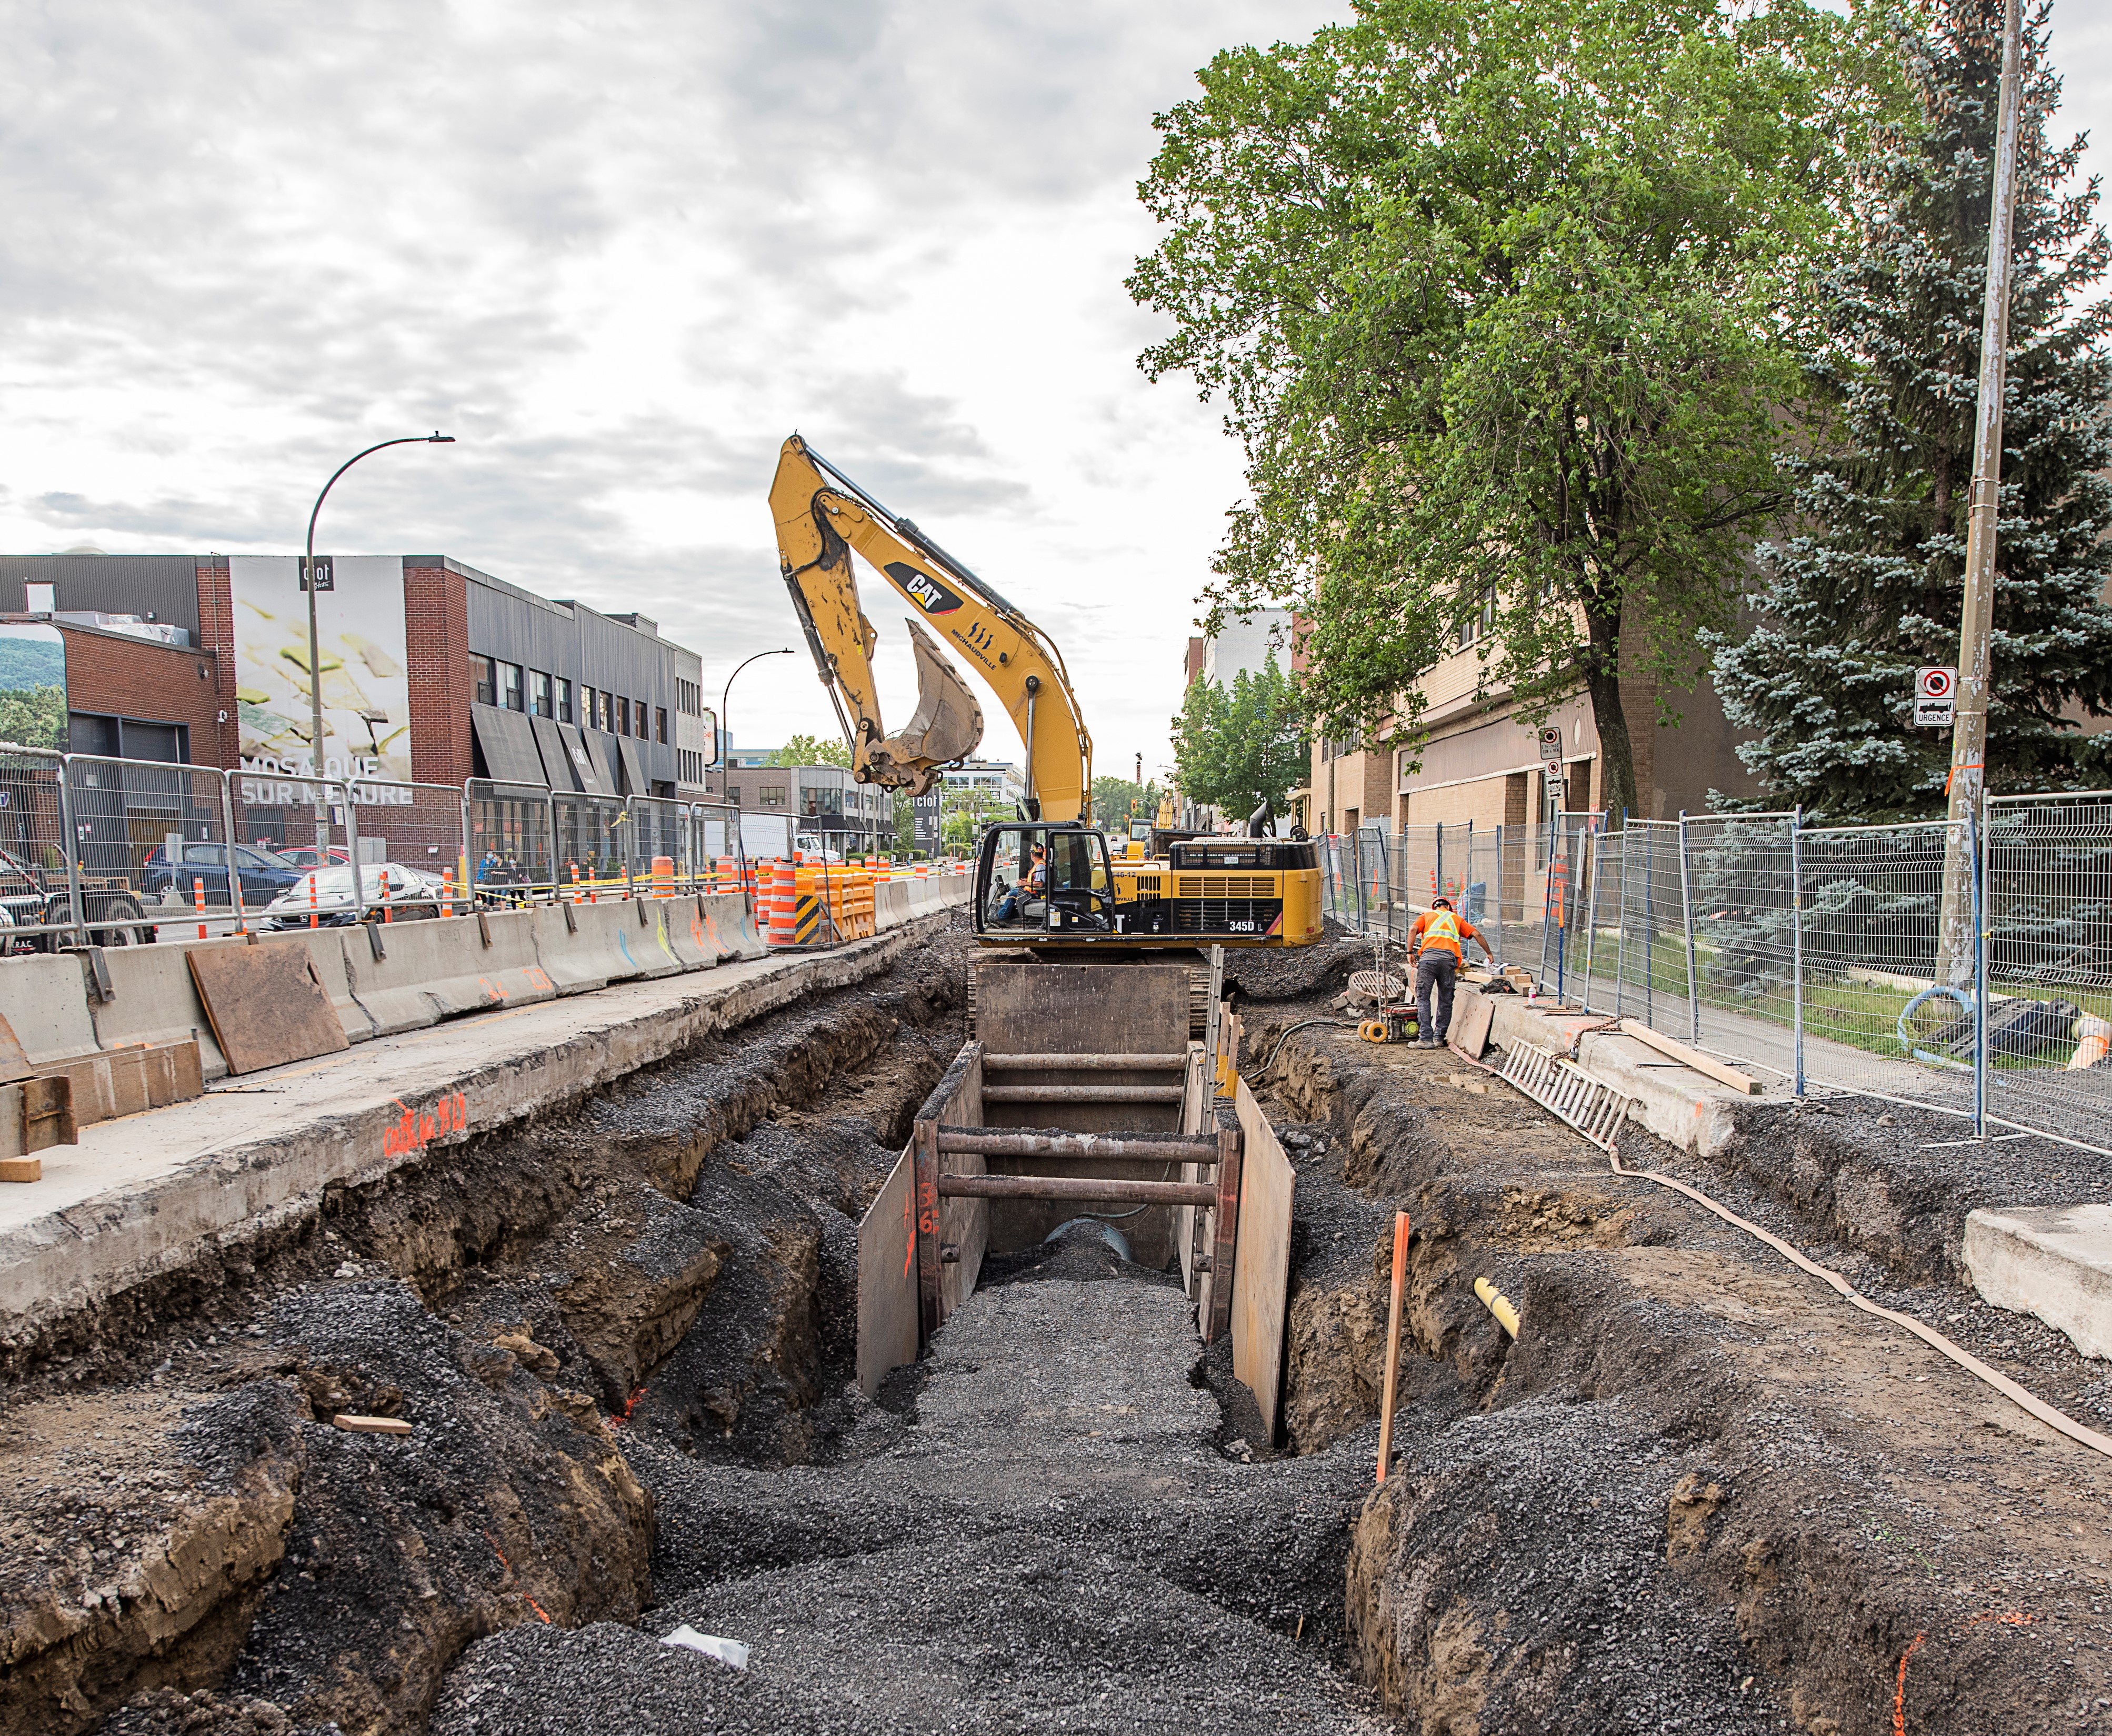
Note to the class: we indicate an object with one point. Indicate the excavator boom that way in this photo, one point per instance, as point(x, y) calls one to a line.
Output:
point(821, 516)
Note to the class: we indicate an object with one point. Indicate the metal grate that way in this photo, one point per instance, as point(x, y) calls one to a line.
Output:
point(1371, 985)
point(1564, 1089)
point(1226, 885)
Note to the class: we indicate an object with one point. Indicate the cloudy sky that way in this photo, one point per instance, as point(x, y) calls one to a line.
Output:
point(620, 252)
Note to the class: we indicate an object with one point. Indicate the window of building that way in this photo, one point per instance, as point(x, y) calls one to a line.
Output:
point(605, 710)
point(1479, 622)
point(689, 698)
point(564, 700)
point(539, 694)
point(660, 724)
point(510, 694)
point(771, 796)
point(587, 719)
point(485, 681)
point(733, 794)
point(619, 714)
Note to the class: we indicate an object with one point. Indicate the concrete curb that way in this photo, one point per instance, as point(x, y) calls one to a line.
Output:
point(1682, 1107)
point(2052, 1261)
point(143, 1198)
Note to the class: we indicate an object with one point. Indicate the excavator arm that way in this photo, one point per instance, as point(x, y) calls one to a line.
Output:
point(822, 515)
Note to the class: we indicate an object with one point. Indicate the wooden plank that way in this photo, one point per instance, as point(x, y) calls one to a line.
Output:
point(14, 1063)
point(1224, 1237)
point(1708, 1064)
point(1081, 1094)
point(1471, 1017)
point(1261, 1275)
point(265, 1004)
point(887, 1296)
point(352, 1425)
point(48, 1117)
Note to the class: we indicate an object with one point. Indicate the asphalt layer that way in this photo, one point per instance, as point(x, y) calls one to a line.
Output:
point(1056, 1542)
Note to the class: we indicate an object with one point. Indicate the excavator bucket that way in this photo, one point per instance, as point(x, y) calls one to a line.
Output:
point(947, 725)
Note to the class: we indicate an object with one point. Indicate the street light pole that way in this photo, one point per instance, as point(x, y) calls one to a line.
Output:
point(315, 655)
point(725, 723)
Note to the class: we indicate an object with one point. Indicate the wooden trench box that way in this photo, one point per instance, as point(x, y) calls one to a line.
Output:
point(1081, 1092)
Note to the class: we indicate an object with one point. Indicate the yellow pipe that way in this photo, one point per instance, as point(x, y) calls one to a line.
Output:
point(1499, 1305)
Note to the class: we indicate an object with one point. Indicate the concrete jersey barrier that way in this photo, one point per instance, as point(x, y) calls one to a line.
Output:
point(730, 925)
point(446, 966)
point(44, 997)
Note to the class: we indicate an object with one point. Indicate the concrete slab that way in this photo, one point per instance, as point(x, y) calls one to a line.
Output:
point(145, 1194)
point(2052, 1261)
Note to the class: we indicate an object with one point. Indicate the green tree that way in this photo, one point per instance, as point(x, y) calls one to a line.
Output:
point(1494, 292)
point(905, 821)
point(1872, 586)
point(812, 750)
point(1233, 748)
point(1118, 800)
point(34, 716)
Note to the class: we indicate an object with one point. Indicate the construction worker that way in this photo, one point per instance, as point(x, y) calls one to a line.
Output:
point(1435, 944)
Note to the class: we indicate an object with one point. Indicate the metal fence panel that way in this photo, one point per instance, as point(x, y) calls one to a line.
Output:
point(2048, 878)
point(511, 837)
point(594, 849)
point(1876, 1018)
point(40, 864)
point(1741, 938)
point(151, 836)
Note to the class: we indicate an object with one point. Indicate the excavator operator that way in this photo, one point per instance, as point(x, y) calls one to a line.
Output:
point(1036, 885)
point(1435, 944)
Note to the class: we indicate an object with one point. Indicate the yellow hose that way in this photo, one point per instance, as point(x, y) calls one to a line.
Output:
point(1499, 1304)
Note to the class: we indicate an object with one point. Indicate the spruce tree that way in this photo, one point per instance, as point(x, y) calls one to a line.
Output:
point(1873, 585)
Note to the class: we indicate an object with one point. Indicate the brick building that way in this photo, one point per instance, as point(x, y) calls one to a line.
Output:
point(164, 655)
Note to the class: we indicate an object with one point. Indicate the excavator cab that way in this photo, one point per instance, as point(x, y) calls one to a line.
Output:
point(1034, 880)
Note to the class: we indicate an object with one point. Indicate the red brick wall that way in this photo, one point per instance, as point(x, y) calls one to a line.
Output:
point(125, 677)
point(436, 640)
point(215, 600)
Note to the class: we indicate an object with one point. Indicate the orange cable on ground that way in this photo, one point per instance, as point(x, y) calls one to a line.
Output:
point(1900, 1692)
point(532, 1604)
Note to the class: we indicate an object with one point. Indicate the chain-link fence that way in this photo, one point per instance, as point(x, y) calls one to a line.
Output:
point(1813, 954)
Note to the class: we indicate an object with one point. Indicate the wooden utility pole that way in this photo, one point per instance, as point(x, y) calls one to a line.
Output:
point(1968, 741)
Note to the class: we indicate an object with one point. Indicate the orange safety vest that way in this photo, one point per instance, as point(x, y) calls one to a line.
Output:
point(1439, 928)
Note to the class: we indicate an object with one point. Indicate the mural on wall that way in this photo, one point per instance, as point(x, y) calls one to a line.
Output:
point(360, 640)
point(33, 686)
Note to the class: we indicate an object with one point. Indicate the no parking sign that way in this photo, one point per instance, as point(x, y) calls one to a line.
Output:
point(1935, 697)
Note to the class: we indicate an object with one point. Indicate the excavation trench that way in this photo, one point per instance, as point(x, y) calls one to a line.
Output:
point(1693, 1493)
point(622, 1340)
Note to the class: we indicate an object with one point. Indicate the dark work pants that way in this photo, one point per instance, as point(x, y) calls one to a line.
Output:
point(1439, 967)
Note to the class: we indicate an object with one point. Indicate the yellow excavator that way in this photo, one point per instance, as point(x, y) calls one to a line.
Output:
point(1045, 879)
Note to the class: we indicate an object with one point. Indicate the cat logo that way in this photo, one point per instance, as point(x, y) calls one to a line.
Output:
point(924, 590)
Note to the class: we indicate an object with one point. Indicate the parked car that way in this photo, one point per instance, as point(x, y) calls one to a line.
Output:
point(813, 848)
point(410, 895)
point(305, 856)
point(31, 896)
point(265, 874)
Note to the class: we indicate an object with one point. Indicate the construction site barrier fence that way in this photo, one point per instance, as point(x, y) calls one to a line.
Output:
point(96, 850)
point(1963, 968)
